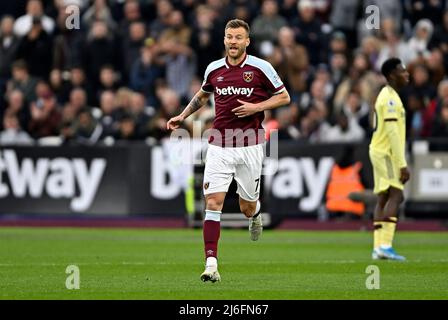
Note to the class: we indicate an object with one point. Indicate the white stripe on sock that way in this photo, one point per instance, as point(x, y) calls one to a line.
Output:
point(212, 215)
point(258, 207)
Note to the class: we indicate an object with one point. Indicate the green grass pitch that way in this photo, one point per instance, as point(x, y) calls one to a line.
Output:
point(166, 264)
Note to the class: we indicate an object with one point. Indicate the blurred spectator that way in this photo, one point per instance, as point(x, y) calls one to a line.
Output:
point(287, 128)
point(421, 37)
point(440, 128)
point(100, 50)
point(223, 11)
point(431, 9)
point(414, 115)
point(307, 29)
point(22, 80)
point(67, 44)
point(291, 62)
point(86, 129)
point(17, 106)
point(322, 73)
point(36, 49)
point(12, 133)
point(109, 80)
point(394, 46)
point(436, 68)
point(338, 67)
point(140, 114)
point(355, 107)
point(126, 128)
point(99, 10)
point(162, 22)
point(9, 44)
point(206, 39)
point(131, 45)
point(132, 14)
point(370, 46)
point(110, 114)
point(77, 101)
point(180, 60)
point(34, 9)
point(360, 77)
point(243, 13)
point(343, 18)
point(170, 106)
point(313, 123)
point(58, 85)
point(440, 38)
point(433, 110)
point(45, 117)
point(346, 129)
point(338, 44)
point(146, 70)
point(76, 78)
point(246, 9)
point(123, 98)
point(265, 27)
point(420, 83)
point(288, 9)
point(319, 93)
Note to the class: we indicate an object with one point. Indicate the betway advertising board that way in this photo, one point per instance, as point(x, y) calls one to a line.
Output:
point(299, 185)
point(85, 180)
point(142, 180)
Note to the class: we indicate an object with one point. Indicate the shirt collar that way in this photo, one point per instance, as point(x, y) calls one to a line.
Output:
point(241, 64)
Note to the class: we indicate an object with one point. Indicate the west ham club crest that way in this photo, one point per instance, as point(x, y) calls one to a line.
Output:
point(248, 76)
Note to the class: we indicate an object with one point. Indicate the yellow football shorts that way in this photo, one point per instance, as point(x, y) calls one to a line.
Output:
point(386, 172)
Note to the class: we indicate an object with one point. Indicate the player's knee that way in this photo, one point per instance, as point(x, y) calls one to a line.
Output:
point(214, 204)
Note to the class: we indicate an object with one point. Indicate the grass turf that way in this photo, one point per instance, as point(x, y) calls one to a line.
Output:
point(166, 264)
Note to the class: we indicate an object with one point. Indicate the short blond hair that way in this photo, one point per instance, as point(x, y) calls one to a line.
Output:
point(238, 23)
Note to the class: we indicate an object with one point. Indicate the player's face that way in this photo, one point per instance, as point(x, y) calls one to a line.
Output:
point(235, 41)
point(402, 75)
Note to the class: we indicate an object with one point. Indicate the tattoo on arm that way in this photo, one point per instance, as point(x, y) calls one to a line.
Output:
point(195, 104)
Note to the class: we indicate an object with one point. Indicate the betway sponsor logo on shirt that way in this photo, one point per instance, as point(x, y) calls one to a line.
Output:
point(231, 90)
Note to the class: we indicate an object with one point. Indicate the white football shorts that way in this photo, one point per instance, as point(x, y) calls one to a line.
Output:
point(244, 164)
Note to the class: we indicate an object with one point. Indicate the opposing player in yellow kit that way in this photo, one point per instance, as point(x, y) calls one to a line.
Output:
point(387, 154)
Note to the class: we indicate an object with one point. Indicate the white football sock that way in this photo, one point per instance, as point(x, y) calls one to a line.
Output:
point(211, 262)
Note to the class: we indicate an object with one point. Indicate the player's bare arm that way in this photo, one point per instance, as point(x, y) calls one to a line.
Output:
point(198, 101)
point(247, 108)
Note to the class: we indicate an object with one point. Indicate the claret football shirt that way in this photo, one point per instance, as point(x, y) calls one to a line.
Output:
point(253, 80)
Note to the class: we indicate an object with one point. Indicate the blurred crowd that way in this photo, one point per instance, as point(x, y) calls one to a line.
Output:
point(132, 64)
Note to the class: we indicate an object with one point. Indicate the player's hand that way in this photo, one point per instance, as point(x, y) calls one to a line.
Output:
point(404, 175)
point(174, 122)
point(246, 109)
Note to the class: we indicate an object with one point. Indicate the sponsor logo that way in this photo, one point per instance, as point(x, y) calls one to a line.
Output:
point(230, 90)
point(58, 178)
point(248, 76)
point(206, 185)
point(219, 79)
point(302, 179)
